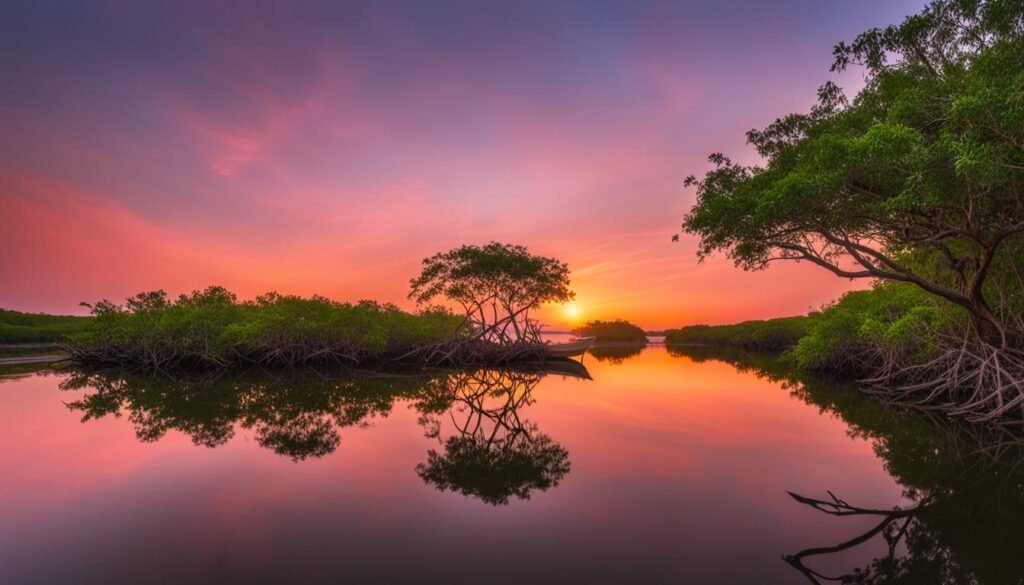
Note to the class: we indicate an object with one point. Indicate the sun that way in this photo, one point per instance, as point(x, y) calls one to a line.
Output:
point(572, 311)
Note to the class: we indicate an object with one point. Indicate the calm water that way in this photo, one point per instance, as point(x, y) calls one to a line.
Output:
point(665, 468)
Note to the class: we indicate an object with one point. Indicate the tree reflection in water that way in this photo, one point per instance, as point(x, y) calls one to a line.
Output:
point(490, 453)
point(616, 353)
point(965, 485)
point(493, 454)
point(296, 415)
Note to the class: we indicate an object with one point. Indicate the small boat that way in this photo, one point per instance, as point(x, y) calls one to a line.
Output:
point(570, 349)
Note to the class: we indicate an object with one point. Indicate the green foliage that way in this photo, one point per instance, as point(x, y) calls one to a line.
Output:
point(17, 327)
point(926, 160)
point(771, 335)
point(502, 272)
point(213, 327)
point(496, 285)
point(891, 318)
point(618, 330)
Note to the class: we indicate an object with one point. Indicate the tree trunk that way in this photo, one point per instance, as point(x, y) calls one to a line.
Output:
point(987, 325)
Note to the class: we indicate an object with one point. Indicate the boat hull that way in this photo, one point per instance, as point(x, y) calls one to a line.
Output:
point(570, 349)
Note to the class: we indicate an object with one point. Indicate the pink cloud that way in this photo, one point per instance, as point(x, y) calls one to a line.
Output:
point(74, 245)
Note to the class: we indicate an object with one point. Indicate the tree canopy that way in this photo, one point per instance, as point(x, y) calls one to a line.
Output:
point(496, 285)
point(919, 178)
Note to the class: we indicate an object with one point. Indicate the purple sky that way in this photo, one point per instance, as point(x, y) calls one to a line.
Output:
point(328, 147)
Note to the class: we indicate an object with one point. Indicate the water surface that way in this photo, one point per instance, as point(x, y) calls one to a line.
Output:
point(665, 468)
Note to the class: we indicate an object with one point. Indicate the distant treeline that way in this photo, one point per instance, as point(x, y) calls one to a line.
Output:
point(771, 335)
point(618, 331)
point(18, 327)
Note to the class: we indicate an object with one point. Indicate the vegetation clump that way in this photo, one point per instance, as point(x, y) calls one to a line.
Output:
point(496, 285)
point(618, 330)
point(212, 328)
point(847, 336)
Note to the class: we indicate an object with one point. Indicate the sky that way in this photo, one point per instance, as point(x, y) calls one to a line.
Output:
point(328, 147)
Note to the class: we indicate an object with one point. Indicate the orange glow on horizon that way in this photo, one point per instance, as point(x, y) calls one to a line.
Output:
point(86, 247)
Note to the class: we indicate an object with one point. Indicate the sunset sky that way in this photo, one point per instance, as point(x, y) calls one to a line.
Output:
point(329, 148)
